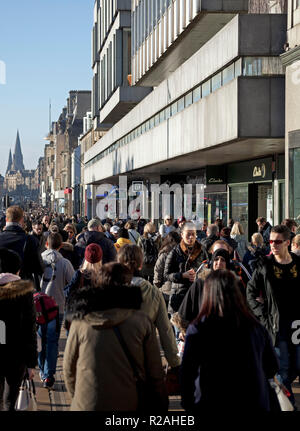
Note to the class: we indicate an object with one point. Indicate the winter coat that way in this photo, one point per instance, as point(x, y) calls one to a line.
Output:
point(121, 242)
point(154, 306)
point(67, 251)
point(159, 280)
point(109, 251)
point(216, 350)
point(208, 242)
point(41, 239)
point(15, 238)
point(178, 262)
point(17, 311)
point(241, 245)
point(266, 310)
point(58, 273)
point(150, 250)
point(97, 373)
point(78, 279)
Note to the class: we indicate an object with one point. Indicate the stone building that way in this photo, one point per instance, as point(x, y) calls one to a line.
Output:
point(19, 183)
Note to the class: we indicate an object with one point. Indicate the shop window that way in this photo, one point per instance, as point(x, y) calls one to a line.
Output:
point(294, 183)
point(239, 205)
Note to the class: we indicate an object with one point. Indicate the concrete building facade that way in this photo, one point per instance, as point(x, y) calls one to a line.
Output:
point(222, 106)
point(291, 61)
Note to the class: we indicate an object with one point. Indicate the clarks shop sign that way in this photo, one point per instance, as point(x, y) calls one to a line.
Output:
point(251, 171)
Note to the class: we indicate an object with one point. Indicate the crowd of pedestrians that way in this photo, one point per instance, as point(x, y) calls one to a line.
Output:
point(221, 309)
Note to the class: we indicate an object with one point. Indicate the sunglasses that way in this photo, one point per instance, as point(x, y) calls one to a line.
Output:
point(276, 241)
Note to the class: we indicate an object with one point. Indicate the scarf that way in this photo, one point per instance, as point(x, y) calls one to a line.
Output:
point(192, 253)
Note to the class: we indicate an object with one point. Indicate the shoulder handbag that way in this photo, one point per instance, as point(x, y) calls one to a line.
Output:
point(26, 400)
point(146, 397)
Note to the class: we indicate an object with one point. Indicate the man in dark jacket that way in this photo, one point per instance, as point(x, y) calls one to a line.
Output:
point(212, 236)
point(95, 234)
point(181, 265)
point(264, 228)
point(15, 238)
point(273, 295)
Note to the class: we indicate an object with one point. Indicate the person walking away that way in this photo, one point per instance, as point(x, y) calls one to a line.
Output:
point(108, 328)
point(15, 238)
point(58, 273)
point(237, 233)
point(131, 257)
point(166, 227)
point(131, 226)
point(88, 274)
point(18, 345)
point(273, 295)
point(226, 343)
point(96, 235)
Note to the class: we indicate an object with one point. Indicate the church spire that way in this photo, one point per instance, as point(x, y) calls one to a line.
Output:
point(18, 156)
point(9, 165)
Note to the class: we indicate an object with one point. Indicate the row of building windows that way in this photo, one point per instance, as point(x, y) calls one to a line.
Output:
point(144, 18)
point(247, 66)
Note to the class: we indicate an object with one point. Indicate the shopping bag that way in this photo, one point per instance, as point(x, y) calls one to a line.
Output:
point(26, 400)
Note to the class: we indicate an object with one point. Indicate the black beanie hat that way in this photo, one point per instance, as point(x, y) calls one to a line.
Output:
point(221, 252)
point(10, 261)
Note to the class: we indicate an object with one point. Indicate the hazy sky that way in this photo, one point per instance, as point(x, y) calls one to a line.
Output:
point(46, 48)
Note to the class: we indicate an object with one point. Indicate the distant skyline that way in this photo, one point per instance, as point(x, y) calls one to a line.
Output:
point(45, 47)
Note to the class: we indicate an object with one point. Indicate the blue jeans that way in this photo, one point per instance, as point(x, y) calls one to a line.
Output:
point(289, 362)
point(47, 358)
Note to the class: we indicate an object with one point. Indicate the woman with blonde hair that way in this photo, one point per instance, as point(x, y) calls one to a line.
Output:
point(88, 273)
point(256, 251)
point(237, 233)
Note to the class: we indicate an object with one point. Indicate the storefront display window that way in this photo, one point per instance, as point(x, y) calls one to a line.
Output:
point(294, 186)
point(239, 205)
point(215, 206)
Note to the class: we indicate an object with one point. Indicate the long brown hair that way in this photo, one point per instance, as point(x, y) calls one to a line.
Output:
point(131, 256)
point(222, 297)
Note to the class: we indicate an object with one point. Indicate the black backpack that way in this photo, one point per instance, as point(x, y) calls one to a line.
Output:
point(150, 250)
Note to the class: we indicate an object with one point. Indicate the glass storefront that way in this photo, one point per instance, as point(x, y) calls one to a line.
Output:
point(215, 206)
point(239, 204)
point(294, 183)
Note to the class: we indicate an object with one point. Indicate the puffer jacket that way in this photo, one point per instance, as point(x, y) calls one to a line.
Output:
point(159, 281)
point(154, 306)
point(109, 251)
point(178, 262)
point(97, 373)
point(17, 311)
point(121, 242)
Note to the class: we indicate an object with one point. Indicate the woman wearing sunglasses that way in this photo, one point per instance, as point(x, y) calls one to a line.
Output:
point(273, 294)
